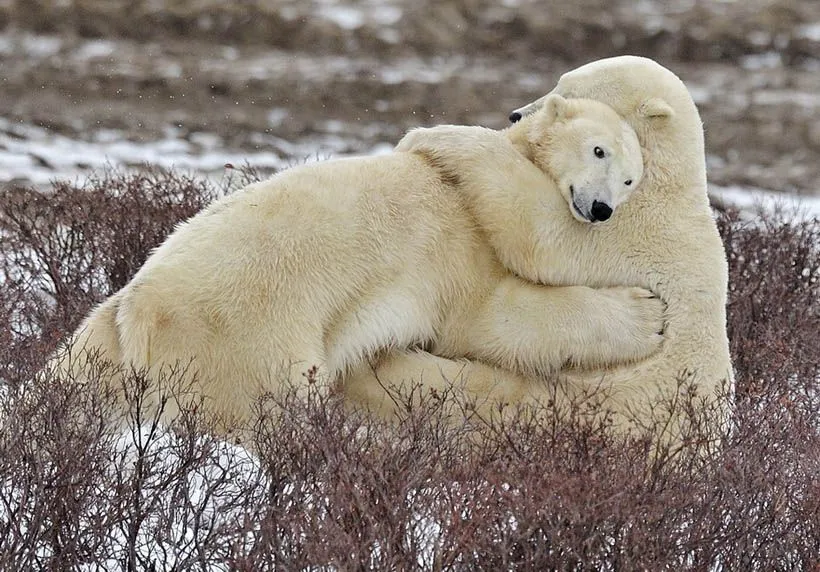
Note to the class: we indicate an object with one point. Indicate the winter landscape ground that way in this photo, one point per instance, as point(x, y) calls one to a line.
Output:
point(193, 85)
point(197, 83)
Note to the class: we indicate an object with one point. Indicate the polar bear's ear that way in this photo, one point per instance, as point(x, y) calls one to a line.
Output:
point(555, 107)
point(655, 107)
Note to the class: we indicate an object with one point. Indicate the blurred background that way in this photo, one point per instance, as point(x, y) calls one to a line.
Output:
point(198, 84)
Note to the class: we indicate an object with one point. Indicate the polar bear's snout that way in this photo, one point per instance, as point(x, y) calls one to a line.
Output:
point(587, 207)
point(600, 211)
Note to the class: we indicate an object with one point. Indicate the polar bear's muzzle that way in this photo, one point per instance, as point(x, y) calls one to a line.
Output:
point(597, 211)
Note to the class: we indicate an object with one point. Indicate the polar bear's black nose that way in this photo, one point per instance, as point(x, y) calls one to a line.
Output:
point(515, 117)
point(600, 211)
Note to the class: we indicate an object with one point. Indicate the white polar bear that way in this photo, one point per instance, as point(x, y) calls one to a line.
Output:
point(664, 239)
point(310, 273)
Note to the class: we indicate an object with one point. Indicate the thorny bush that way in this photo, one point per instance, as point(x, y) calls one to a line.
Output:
point(332, 489)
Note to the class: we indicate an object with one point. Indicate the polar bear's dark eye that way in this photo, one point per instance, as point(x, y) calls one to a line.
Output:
point(628, 182)
point(599, 152)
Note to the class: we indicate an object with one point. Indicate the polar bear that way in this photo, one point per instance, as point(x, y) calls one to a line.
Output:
point(664, 239)
point(299, 278)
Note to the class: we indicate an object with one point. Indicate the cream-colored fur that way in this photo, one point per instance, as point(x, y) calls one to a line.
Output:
point(304, 276)
point(664, 239)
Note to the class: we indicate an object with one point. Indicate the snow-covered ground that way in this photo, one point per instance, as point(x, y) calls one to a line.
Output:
point(750, 199)
point(61, 123)
point(37, 156)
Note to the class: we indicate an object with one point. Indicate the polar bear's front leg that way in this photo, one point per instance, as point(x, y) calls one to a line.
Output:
point(540, 329)
point(478, 157)
point(451, 138)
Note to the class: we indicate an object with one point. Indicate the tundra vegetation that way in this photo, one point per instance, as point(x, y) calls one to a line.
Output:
point(334, 489)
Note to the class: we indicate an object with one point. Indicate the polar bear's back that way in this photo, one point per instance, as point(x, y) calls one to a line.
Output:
point(357, 202)
point(293, 268)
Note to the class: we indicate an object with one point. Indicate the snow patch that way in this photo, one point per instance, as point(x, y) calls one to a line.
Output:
point(765, 61)
point(32, 45)
point(809, 32)
point(95, 49)
point(353, 18)
point(346, 17)
point(802, 99)
point(386, 15)
point(751, 198)
point(35, 155)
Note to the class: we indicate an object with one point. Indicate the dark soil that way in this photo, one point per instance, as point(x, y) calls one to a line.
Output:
point(314, 77)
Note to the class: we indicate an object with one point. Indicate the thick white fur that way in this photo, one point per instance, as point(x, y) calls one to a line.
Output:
point(329, 263)
point(664, 239)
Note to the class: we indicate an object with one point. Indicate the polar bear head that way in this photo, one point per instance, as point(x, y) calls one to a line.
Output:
point(656, 104)
point(590, 151)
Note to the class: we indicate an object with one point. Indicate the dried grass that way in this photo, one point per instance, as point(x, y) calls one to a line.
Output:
point(332, 489)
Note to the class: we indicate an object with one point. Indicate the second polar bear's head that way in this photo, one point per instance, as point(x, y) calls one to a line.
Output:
point(590, 151)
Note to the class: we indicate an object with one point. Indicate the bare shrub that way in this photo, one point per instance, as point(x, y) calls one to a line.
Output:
point(67, 249)
point(331, 488)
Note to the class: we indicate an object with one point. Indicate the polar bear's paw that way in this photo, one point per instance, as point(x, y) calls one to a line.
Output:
point(631, 327)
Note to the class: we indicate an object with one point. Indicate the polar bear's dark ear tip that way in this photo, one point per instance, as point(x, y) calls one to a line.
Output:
point(515, 117)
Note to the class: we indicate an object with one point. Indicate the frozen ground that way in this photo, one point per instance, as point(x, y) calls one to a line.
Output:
point(198, 84)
